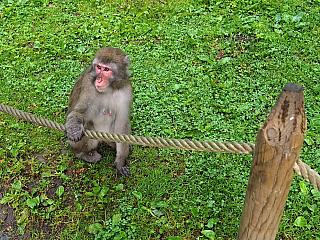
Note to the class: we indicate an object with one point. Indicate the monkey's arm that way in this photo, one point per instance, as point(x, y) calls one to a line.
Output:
point(123, 126)
point(124, 102)
point(78, 105)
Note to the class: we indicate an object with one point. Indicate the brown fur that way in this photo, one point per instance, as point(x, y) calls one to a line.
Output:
point(107, 111)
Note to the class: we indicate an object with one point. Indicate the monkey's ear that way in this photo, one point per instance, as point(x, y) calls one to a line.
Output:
point(127, 60)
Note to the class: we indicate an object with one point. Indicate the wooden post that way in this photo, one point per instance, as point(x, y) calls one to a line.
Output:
point(279, 142)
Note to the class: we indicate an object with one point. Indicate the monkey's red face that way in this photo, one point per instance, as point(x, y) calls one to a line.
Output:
point(104, 76)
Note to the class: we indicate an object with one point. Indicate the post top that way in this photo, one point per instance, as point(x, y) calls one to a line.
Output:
point(291, 87)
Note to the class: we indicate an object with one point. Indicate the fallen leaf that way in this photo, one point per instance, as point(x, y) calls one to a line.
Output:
point(80, 170)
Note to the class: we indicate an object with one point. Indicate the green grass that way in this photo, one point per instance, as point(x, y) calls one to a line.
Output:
point(204, 70)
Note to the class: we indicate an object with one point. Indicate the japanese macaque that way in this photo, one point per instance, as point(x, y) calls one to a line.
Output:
point(101, 100)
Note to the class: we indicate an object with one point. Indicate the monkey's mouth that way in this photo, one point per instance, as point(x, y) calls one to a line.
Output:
point(100, 88)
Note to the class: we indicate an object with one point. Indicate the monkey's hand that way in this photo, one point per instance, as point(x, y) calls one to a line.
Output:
point(75, 129)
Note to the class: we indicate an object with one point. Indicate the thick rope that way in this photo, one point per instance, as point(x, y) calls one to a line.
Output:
point(209, 146)
point(299, 167)
point(307, 173)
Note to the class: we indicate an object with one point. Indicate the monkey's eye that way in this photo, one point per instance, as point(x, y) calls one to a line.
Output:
point(106, 69)
point(99, 67)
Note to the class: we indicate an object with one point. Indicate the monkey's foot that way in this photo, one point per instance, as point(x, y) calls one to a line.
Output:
point(124, 170)
point(91, 156)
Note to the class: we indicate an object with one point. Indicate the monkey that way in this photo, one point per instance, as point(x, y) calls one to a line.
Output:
point(101, 100)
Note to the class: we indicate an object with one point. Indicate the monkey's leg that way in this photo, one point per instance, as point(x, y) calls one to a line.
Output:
point(122, 155)
point(84, 149)
point(112, 144)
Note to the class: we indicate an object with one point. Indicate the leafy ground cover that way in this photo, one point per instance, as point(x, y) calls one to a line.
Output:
point(204, 70)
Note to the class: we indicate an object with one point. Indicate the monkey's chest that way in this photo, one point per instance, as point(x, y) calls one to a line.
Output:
point(103, 119)
point(104, 112)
